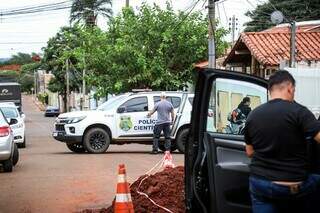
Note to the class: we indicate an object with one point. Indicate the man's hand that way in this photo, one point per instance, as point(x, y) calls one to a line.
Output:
point(317, 137)
point(249, 150)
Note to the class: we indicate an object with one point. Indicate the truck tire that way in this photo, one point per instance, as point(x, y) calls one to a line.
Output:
point(76, 147)
point(15, 156)
point(96, 140)
point(7, 165)
point(181, 139)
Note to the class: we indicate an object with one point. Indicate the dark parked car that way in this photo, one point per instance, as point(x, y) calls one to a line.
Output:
point(52, 111)
point(216, 166)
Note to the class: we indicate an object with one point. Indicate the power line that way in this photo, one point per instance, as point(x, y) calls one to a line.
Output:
point(37, 9)
point(186, 16)
point(224, 10)
point(24, 42)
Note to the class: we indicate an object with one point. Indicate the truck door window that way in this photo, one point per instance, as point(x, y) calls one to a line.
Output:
point(139, 104)
point(224, 115)
point(175, 101)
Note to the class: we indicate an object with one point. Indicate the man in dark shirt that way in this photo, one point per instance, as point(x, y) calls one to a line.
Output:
point(277, 135)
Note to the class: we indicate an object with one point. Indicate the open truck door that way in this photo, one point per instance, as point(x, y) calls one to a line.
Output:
point(216, 165)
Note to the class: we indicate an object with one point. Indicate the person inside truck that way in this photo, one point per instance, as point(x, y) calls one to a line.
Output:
point(277, 135)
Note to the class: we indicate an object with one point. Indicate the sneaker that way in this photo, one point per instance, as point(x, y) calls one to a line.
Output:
point(154, 152)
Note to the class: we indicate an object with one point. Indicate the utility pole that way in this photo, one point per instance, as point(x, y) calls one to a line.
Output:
point(127, 3)
point(292, 44)
point(211, 41)
point(83, 84)
point(68, 85)
point(233, 26)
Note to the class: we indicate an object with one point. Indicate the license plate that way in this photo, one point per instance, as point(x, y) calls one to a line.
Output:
point(55, 134)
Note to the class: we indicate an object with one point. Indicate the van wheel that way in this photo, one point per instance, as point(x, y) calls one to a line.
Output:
point(15, 156)
point(76, 147)
point(182, 137)
point(96, 140)
point(7, 165)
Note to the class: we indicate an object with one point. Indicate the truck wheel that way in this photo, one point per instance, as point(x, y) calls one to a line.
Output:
point(15, 156)
point(7, 165)
point(181, 139)
point(76, 147)
point(96, 140)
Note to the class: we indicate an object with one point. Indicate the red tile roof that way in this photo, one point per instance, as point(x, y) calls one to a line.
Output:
point(270, 48)
point(14, 67)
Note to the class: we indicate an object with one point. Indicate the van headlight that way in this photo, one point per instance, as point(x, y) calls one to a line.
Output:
point(75, 119)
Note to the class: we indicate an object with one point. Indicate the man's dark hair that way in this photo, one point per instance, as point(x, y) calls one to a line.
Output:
point(245, 100)
point(280, 77)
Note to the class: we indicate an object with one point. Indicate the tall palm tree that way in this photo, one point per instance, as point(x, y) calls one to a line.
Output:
point(88, 10)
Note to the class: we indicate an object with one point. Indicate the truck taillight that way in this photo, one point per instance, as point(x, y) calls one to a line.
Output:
point(4, 131)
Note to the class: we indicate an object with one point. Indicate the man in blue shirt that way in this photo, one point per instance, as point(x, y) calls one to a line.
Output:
point(163, 108)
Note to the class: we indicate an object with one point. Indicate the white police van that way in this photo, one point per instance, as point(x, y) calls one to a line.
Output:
point(122, 119)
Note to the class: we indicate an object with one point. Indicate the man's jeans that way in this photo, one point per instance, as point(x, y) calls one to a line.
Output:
point(158, 128)
point(269, 197)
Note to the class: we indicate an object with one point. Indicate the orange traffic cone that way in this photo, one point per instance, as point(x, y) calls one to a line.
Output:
point(167, 161)
point(123, 202)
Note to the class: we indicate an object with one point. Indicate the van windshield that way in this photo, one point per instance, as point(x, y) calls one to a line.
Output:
point(113, 101)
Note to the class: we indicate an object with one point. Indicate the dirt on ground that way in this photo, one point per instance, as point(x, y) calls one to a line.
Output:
point(165, 188)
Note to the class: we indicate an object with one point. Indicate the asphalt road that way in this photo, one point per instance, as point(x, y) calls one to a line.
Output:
point(50, 178)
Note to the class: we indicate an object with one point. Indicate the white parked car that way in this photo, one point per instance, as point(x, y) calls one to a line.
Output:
point(9, 154)
point(122, 119)
point(10, 111)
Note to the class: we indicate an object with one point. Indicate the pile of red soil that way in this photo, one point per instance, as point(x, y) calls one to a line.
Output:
point(165, 188)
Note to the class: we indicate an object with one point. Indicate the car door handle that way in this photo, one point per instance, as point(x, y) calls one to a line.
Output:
point(234, 166)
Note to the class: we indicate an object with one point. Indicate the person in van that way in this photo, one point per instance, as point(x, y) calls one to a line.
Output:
point(241, 112)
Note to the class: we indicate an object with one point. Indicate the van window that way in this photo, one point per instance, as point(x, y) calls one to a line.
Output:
point(139, 104)
point(229, 105)
point(175, 101)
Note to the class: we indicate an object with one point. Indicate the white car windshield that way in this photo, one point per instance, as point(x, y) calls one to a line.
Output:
point(111, 102)
point(10, 112)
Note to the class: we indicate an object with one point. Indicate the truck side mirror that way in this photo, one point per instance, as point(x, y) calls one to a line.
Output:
point(121, 109)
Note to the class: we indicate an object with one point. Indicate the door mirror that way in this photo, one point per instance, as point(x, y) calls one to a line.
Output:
point(12, 121)
point(121, 109)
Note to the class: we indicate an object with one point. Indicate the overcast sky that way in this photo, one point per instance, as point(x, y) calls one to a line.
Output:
point(28, 33)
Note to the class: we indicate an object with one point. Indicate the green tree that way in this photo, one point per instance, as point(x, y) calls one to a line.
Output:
point(292, 9)
point(150, 48)
point(88, 10)
point(60, 49)
point(26, 76)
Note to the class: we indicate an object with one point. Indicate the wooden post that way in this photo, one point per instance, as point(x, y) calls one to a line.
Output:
point(253, 65)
